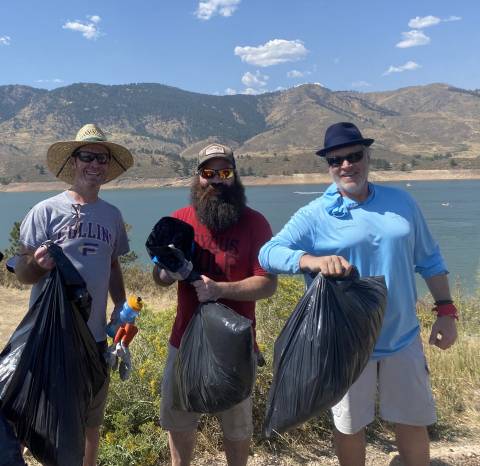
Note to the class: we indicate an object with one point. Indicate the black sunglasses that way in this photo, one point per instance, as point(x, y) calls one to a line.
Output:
point(351, 158)
point(88, 157)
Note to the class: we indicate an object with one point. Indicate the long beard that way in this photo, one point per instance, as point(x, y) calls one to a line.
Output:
point(218, 206)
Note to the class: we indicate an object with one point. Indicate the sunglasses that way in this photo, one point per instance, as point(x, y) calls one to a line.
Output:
point(351, 158)
point(88, 157)
point(223, 173)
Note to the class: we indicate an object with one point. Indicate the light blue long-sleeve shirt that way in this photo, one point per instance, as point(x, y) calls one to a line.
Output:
point(384, 235)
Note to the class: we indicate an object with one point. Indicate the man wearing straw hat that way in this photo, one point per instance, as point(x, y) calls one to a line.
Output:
point(91, 233)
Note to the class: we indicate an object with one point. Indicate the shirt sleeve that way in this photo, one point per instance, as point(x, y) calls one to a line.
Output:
point(283, 252)
point(261, 233)
point(121, 243)
point(33, 229)
point(428, 259)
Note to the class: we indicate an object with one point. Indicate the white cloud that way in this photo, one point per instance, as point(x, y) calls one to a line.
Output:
point(274, 52)
point(251, 91)
point(5, 40)
point(427, 21)
point(54, 80)
point(452, 18)
point(423, 22)
point(209, 8)
point(89, 29)
point(413, 38)
point(359, 84)
point(230, 91)
point(297, 74)
point(409, 66)
point(256, 80)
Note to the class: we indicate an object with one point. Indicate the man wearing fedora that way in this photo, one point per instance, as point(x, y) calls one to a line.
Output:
point(228, 236)
point(91, 233)
point(381, 231)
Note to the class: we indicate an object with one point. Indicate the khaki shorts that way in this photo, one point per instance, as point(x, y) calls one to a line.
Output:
point(236, 422)
point(402, 384)
point(96, 410)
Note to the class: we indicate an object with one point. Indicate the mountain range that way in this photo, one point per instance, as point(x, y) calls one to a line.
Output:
point(433, 126)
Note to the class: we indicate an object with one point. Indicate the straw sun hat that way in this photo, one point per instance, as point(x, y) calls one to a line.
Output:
point(60, 161)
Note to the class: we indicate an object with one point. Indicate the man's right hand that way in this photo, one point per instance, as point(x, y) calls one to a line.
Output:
point(329, 266)
point(43, 259)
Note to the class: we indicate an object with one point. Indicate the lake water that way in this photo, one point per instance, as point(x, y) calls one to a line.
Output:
point(450, 207)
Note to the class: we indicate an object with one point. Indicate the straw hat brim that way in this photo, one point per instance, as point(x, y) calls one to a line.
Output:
point(60, 161)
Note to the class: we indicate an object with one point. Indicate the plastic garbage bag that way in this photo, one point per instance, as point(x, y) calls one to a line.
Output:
point(51, 369)
point(215, 364)
point(9, 446)
point(323, 347)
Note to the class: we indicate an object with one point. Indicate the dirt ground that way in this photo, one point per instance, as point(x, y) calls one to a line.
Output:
point(463, 452)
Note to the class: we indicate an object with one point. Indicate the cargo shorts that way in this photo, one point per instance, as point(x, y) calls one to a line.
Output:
point(402, 384)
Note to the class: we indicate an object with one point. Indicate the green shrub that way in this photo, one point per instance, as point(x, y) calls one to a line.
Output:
point(131, 435)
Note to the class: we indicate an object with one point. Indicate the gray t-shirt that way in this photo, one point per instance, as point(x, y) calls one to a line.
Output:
point(91, 236)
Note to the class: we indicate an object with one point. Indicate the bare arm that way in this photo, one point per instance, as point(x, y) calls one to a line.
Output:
point(32, 264)
point(248, 289)
point(444, 329)
point(116, 286)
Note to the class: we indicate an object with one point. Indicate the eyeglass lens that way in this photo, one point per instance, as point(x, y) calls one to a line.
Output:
point(209, 173)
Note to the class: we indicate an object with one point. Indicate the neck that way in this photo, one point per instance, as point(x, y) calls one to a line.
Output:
point(84, 195)
point(359, 197)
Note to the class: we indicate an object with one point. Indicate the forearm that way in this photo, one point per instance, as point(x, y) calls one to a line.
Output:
point(249, 289)
point(116, 286)
point(439, 287)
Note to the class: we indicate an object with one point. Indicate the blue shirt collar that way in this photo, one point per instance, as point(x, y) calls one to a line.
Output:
point(339, 206)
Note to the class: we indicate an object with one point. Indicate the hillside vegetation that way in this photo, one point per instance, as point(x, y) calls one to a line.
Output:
point(424, 127)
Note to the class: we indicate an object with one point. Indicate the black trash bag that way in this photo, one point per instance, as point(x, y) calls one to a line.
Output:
point(215, 364)
point(323, 348)
point(10, 447)
point(51, 369)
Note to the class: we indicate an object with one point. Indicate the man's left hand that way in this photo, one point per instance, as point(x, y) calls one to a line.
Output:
point(444, 332)
point(207, 289)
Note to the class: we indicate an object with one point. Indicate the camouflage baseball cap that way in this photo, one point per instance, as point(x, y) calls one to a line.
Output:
point(215, 151)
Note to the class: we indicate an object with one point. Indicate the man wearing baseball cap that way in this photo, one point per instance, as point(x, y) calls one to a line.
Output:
point(381, 231)
point(91, 233)
point(228, 236)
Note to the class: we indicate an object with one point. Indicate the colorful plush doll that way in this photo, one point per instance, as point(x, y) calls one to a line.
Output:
point(122, 331)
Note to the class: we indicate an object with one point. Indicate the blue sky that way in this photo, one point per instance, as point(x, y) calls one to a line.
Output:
point(241, 46)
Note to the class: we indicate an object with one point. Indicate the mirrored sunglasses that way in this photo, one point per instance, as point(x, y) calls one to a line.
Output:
point(351, 158)
point(223, 173)
point(87, 157)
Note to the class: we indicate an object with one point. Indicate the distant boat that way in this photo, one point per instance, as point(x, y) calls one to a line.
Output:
point(445, 204)
point(408, 185)
point(303, 193)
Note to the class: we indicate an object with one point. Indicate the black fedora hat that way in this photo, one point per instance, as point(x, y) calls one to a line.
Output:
point(342, 135)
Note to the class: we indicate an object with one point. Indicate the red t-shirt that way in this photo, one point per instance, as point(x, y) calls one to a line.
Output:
point(229, 256)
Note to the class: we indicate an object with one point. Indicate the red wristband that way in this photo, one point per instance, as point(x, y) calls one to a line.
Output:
point(446, 310)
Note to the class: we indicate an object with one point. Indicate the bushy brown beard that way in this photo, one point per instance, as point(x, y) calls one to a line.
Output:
point(218, 206)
